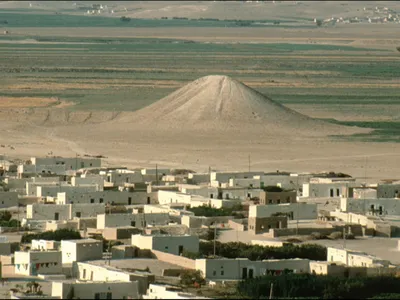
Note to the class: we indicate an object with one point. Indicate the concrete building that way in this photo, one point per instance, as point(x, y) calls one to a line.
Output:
point(95, 290)
point(224, 177)
point(138, 220)
point(63, 212)
point(73, 163)
point(45, 245)
point(262, 225)
point(245, 182)
point(116, 197)
point(242, 268)
point(278, 197)
point(161, 291)
point(167, 243)
point(284, 180)
point(81, 250)
point(199, 178)
point(295, 211)
point(32, 263)
point(8, 199)
point(377, 206)
point(199, 190)
point(25, 171)
point(52, 190)
point(328, 187)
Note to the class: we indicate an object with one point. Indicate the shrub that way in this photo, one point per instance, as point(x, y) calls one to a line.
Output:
point(57, 235)
point(190, 277)
point(5, 215)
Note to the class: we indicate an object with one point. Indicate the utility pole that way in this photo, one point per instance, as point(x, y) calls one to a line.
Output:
point(109, 252)
point(249, 163)
point(344, 237)
point(215, 238)
point(271, 290)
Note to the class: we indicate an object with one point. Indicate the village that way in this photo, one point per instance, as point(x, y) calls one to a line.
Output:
point(71, 228)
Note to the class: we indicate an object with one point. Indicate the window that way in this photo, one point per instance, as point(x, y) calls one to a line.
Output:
point(214, 273)
point(222, 272)
point(84, 273)
point(101, 200)
point(270, 201)
point(91, 200)
point(288, 199)
point(248, 195)
point(337, 192)
point(278, 201)
point(78, 214)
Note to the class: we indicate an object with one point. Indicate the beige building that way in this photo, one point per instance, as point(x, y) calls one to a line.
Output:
point(81, 250)
point(262, 225)
point(173, 244)
point(63, 212)
point(8, 199)
point(354, 258)
point(95, 290)
point(278, 197)
point(300, 211)
point(115, 197)
point(32, 263)
point(86, 271)
point(242, 268)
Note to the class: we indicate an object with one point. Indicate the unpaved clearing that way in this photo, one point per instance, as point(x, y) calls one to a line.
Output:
point(15, 102)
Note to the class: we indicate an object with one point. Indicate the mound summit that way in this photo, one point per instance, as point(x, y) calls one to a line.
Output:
point(218, 103)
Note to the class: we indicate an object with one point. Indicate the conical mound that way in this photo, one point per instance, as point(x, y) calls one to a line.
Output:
point(219, 103)
point(216, 98)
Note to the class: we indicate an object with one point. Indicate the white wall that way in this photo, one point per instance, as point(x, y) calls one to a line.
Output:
point(71, 163)
point(65, 211)
point(88, 290)
point(231, 269)
point(88, 271)
point(325, 190)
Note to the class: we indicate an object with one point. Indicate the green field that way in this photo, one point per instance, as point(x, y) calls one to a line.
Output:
point(19, 18)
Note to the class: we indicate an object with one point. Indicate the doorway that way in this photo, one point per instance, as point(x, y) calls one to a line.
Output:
point(180, 249)
point(244, 273)
point(56, 216)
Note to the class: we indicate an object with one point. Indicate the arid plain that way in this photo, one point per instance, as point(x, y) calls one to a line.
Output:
point(75, 84)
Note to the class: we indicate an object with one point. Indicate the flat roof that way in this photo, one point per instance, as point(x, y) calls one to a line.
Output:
point(155, 266)
point(83, 241)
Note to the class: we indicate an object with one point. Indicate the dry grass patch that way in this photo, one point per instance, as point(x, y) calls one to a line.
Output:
point(16, 102)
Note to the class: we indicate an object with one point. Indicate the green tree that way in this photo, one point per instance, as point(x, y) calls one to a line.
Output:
point(190, 277)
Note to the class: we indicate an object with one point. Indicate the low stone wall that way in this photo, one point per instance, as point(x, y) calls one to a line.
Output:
point(175, 259)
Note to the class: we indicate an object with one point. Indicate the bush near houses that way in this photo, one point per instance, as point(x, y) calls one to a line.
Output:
point(319, 286)
point(208, 211)
point(57, 235)
point(257, 252)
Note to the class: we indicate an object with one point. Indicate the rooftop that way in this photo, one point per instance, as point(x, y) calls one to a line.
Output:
point(155, 266)
point(82, 241)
